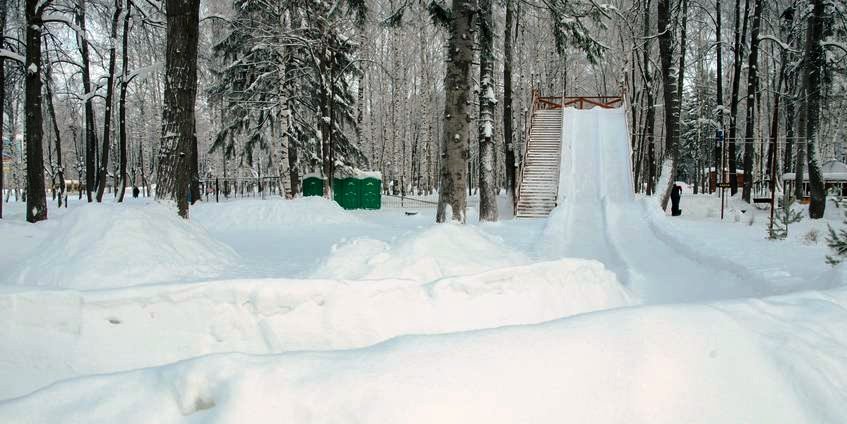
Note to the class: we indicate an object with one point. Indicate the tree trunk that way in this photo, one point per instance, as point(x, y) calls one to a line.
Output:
point(487, 102)
point(508, 142)
point(719, 90)
point(457, 115)
point(752, 89)
point(60, 170)
point(790, 86)
point(733, 101)
point(650, 119)
point(36, 199)
point(669, 92)
point(107, 115)
point(772, 166)
point(3, 8)
point(293, 165)
point(122, 104)
point(174, 171)
point(195, 171)
point(90, 131)
point(813, 63)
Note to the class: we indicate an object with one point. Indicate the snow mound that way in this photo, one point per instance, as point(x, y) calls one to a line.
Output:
point(119, 245)
point(439, 251)
point(255, 214)
point(155, 325)
point(757, 361)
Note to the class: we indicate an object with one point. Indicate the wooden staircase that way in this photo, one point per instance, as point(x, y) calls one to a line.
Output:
point(539, 184)
point(538, 189)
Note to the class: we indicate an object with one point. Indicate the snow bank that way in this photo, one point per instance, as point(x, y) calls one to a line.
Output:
point(118, 245)
point(436, 252)
point(273, 213)
point(762, 264)
point(115, 330)
point(770, 361)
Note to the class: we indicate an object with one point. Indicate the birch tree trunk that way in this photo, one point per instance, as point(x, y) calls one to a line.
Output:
point(174, 171)
point(452, 195)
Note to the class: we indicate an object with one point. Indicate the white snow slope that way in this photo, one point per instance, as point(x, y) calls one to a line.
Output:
point(273, 350)
point(119, 245)
point(599, 218)
point(782, 360)
point(115, 330)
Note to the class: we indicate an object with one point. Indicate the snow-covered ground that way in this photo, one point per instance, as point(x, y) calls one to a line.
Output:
point(299, 311)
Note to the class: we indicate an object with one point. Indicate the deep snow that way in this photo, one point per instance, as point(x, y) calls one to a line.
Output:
point(255, 325)
point(775, 361)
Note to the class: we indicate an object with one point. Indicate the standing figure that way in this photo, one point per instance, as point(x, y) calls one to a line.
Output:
point(676, 193)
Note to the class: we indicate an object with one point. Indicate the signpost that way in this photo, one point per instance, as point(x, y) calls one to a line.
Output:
point(724, 184)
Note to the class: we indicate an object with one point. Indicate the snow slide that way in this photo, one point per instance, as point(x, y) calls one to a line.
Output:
point(599, 218)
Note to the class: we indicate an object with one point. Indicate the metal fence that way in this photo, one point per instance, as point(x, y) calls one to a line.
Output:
point(417, 202)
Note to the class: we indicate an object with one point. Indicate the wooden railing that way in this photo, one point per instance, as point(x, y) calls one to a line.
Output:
point(559, 102)
point(580, 102)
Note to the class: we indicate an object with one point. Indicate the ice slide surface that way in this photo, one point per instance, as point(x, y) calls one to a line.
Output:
point(598, 217)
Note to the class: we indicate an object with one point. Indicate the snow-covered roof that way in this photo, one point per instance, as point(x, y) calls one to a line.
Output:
point(712, 169)
point(832, 170)
point(350, 172)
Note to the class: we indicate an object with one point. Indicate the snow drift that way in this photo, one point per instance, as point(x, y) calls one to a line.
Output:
point(772, 361)
point(119, 245)
point(439, 251)
point(255, 214)
point(115, 330)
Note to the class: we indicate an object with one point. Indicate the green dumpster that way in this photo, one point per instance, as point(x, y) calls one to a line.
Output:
point(346, 192)
point(313, 186)
point(370, 192)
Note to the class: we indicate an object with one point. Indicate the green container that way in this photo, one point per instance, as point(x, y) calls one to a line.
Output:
point(313, 186)
point(346, 192)
point(370, 192)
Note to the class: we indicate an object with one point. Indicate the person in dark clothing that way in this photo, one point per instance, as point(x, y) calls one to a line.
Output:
point(676, 193)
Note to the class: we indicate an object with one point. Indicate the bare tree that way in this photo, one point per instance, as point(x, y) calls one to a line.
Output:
point(88, 95)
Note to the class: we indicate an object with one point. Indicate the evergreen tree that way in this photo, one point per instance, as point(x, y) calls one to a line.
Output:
point(784, 216)
point(286, 82)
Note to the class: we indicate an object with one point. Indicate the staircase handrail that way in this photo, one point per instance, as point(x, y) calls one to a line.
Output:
point(536, 95)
